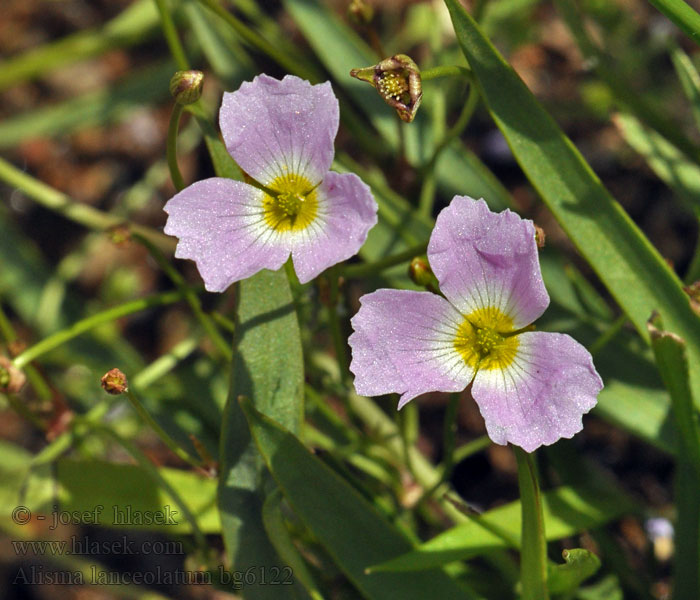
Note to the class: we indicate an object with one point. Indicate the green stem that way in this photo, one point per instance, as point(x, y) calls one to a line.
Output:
point(80, 327)
point(223, 321)
point(449, 436)
point(456, 130)
point(162, 434)
point(533, 546)
point(426, 201)
point(367, 269)
point(608, 335)
point(79, 213)
point(171, 38)
point(173, 127)
point(445, 71)
point(256, 41)
point(334, 322)
point(147, 466)
point(36, 379)
point(693, 273)
point(190, 296)
point(144, 378)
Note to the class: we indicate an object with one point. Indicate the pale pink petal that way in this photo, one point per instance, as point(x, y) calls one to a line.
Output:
point(273, 128)
point(346, 212)
point(541, 396)
point(220, 225)
point(484, 259)
point(404, 343)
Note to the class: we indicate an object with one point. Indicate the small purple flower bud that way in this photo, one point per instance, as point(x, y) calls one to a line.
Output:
point(397, 79)
point(186, 86)
point(360, 12)
point(11, 378)
point(114, 382)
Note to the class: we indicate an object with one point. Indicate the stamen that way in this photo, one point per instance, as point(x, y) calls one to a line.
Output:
point(483, 339)
point(294, 205)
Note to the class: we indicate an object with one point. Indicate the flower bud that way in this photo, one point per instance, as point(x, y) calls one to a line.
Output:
point(421, 274)
point(114, 382)
point(186, 86)
point(397, 79)
point(360, 12)
point(11, 378)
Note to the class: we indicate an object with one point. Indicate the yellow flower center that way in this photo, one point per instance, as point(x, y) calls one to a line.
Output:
point(483, 339)
point(294, 207)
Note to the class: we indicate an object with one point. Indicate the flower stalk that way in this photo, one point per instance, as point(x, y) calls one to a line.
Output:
point(533, 552)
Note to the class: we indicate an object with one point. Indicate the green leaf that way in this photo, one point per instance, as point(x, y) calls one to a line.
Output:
point(579, 565)
point(134, 25)
point(669, 163)
point(350, 529)
point(94, 108)
point(566, 511)
point(671, 358)
point(682, 15)
point(83, 485)
point(268, 368)
point(689, 78)
point(632, 270)
point(607, 588)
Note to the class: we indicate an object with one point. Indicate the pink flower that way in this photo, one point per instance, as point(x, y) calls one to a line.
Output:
point(532, 388)
point(281, 134)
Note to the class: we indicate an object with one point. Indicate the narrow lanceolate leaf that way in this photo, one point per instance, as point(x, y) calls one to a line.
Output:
point(669, 350)
point(667, 161)
point(632, 270)
point(690, 80)
point(566, 511)
point(350, 529)
point(267, 368)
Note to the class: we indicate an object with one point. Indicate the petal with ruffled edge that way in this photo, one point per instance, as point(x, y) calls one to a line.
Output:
point(221, 226)
point(542, 395)
point(484, 260)
point(403, 342)
point(274, 128)
point(346, 212)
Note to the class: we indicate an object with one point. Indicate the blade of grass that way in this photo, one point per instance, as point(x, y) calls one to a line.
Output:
point(671, 358)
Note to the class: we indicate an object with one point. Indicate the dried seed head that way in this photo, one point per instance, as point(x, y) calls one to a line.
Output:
point(397, 79)
point(186, 86)
point(114, 382)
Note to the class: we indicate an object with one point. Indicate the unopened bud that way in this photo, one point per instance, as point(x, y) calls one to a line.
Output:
point(114, 382)
point(421, 274)
point(360, 12)
point(539, 236)
point(397, 79)
point(11, 378)
point(120, 235)
point(186, 86)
